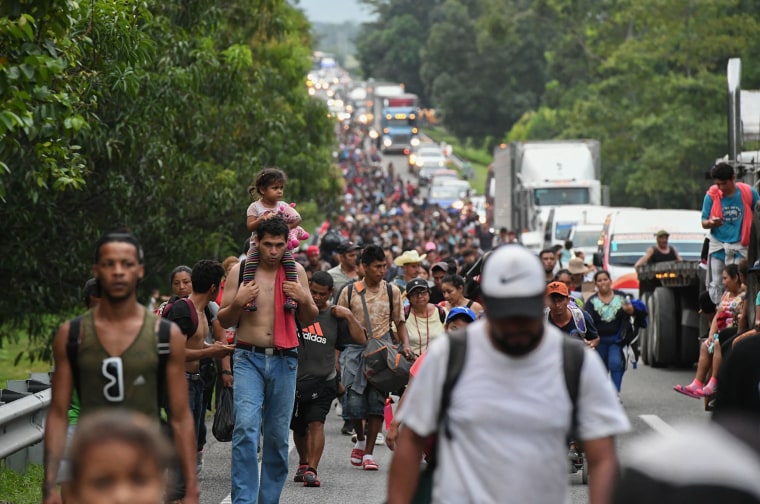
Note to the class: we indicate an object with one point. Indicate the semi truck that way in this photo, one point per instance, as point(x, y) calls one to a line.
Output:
point(394, 118)
point(671, 289)
point(530, 178)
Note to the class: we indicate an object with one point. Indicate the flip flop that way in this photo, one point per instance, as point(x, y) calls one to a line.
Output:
point(685, 390)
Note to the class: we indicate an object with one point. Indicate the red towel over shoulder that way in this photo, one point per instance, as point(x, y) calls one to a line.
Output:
point(285, 331)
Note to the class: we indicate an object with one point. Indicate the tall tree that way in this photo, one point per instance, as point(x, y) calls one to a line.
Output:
point(178, 104)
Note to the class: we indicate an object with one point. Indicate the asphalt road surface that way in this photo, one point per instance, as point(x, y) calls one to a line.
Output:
point(648, 398)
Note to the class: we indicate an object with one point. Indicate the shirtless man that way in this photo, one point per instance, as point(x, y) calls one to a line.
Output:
point(206, 276)
point(117, 343)
point(265, 366)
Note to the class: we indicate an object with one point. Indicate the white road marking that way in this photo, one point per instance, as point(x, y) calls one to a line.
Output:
point(291, 446)
point(658, 424)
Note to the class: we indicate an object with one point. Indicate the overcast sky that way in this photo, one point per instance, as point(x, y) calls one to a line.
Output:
point(334, 11)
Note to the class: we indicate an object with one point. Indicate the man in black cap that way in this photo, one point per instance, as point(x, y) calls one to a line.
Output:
point(346, 271)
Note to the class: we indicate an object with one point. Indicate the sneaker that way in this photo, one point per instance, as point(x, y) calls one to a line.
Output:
point(380, 439)
point(310, 478)
point(354, 438)
point(356, 457)
point(369, 464)
point(298, 478)
point(689, 390)
point(348, 428)
point(199, 463)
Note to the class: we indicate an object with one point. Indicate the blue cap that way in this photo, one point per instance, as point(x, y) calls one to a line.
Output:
point(461, 310)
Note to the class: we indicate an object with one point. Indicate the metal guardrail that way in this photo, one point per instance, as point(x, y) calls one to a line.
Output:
point(22, 422)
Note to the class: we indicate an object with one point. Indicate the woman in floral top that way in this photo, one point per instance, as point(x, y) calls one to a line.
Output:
point(609, 308)
point(728, 320)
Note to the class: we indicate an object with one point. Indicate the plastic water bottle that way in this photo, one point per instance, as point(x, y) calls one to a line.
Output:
point(715, 340)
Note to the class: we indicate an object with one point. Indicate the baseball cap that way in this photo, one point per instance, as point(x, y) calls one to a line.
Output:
point(347, 246)
point(513, 283)
point(661, 232)
point(461, 311)
point(416, 283)
point(312, 250)
point(441, 266)
point(557, 288)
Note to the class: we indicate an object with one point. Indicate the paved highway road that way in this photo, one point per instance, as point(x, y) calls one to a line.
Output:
point(647, 396)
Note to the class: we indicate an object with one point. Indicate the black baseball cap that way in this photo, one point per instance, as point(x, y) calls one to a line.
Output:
point(347, 246)
point(416, 283)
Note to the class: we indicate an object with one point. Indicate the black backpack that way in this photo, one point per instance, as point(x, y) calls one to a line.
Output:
point(441, 312)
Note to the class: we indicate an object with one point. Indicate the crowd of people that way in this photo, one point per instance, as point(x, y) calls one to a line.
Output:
point(286, 326)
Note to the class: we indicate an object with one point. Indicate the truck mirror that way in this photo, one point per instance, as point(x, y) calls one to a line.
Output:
point(598, 261)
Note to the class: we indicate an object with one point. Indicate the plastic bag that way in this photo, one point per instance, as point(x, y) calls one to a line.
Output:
point(224, 417)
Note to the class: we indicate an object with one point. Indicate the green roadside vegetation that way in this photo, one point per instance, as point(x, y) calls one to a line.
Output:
point(9, 355)
point(478, 157)
point(18, 488)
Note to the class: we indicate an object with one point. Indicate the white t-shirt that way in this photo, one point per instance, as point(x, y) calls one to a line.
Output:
point(509, 418)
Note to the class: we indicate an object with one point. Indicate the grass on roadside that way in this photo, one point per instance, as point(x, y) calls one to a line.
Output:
point(21, 488)
point(8, 371)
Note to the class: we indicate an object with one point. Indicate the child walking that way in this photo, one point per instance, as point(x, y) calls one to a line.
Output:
point(269, 186)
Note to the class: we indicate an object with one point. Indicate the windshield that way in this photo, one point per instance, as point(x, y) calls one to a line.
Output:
point(585, 239)
point(562, 230)
point(446, 192)
point(556, 196)
point(626, 253)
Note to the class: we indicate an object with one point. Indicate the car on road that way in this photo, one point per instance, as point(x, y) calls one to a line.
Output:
point(449, 194)
point(425, 160)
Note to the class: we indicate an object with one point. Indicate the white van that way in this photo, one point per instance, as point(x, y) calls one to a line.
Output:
point(627, 234)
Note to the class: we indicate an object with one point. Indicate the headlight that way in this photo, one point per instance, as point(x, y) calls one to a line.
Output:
point(412, 159)
point(363, 119)
point(387, 141)
point(415, 141)
point(459, 204)
point(373, 134)
point(420, 162)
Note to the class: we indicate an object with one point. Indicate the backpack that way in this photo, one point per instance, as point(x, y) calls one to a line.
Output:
point(441, 312)
point(173, 301)
point(578, 319)
point(162, 348)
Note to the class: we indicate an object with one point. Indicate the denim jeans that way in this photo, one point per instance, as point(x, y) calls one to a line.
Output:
point(264, 391)
point(195, 398)
point(611, 353)
point(197, 407)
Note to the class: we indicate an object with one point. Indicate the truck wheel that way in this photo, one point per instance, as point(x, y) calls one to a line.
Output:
point(665, 340)
point(689, 348)
point(646, 298)
point(651, 329)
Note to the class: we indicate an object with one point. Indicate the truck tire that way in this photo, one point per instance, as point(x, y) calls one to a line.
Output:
point(646, 298)
point(665, 341)
point(651, 329)
point(689, 348)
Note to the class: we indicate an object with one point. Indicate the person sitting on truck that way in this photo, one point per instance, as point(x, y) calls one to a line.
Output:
point(660, 252)
point(727, 322)
point(727, 212)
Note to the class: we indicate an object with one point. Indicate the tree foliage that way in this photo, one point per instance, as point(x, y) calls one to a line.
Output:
point(150, 115)
point(645, 77)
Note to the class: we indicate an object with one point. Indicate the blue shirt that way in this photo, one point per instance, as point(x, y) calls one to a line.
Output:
point(733, 214)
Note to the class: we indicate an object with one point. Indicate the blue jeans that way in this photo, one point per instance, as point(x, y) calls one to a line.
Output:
point(197, 407)
point(264, 390)
point(611, 353)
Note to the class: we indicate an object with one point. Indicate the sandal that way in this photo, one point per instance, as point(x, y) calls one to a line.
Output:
point(689, 390)
point(356, 457)
point(370, 465)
